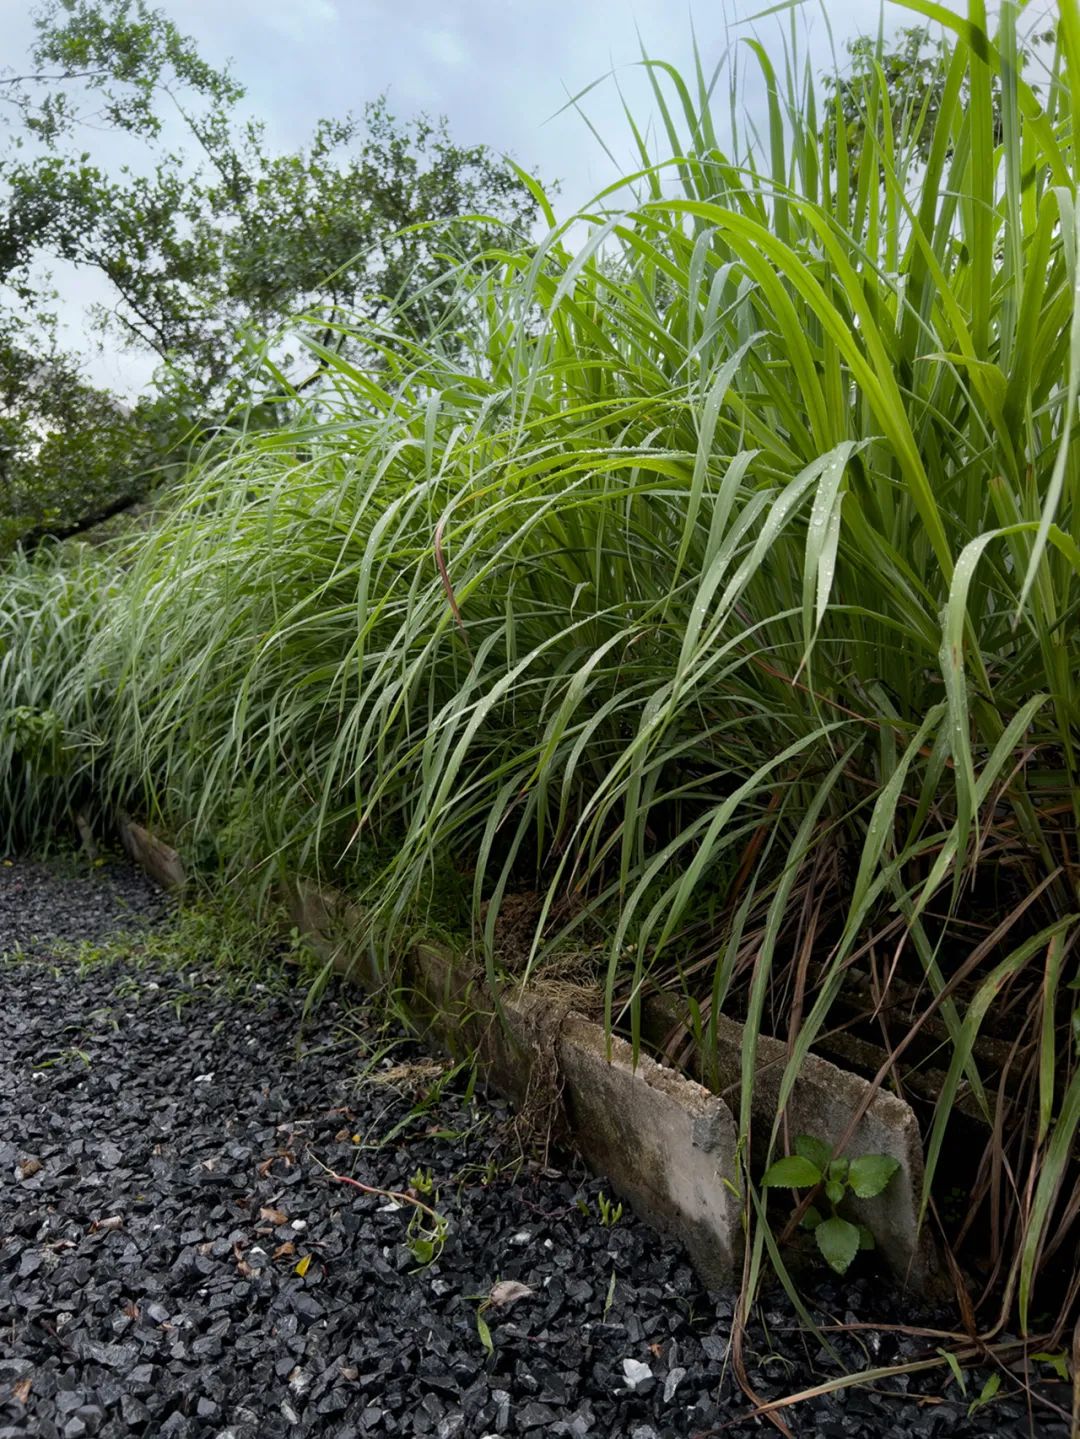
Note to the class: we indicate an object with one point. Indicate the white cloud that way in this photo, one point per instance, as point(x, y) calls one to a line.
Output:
point(294, 18)
point(444, 47)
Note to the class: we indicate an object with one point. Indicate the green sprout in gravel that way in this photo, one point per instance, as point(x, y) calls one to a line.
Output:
point(610, 1211)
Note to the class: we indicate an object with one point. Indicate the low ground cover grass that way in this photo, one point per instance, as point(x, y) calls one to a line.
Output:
point(712, 580)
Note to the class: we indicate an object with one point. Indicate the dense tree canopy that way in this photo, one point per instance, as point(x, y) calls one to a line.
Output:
point(203, 235)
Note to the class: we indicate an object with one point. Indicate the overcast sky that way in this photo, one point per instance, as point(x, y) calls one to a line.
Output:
point(500, 70)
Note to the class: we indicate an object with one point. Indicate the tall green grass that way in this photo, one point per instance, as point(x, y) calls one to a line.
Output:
point(715, 578)
point(55, 711)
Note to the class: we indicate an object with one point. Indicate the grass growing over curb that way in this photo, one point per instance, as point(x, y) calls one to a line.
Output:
point(714, 578)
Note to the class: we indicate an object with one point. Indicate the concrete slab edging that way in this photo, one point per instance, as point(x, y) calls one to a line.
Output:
point(822, 1104)
point(664, 1142)
point(160, 861)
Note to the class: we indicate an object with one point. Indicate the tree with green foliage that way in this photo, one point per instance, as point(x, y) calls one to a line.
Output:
point(911, 75)
point(206, 235)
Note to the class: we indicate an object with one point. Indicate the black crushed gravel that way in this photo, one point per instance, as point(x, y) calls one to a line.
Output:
point(70, 901)
point(159, 1186)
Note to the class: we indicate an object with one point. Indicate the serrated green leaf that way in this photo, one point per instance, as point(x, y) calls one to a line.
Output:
point(792, 1172)
point(813, 1149)
point(834, 1191)
point(870, 1174)
point(838, 1241)
point(866, 1238)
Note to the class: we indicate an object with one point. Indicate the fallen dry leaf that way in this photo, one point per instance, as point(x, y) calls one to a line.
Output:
point(273, 1216)
point(413, 1073)
point(303, 1266)
point(507, 1292)
point(21, 1391)
point(283, 1250)
point(114, 1221)
point(27, 1168)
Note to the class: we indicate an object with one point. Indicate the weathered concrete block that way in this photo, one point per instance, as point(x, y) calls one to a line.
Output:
point(823, 1102)
point(666, 1144)
point(452, 1001)
point(663, 1142)
point(332, 926)
point(160, 861)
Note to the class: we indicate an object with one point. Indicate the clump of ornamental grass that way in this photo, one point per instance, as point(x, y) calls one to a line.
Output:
point(714, 580)
point(54, 710)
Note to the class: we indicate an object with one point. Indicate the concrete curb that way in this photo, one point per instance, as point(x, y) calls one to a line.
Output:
point(664, 1142)
point(160, 861)
point(822, 1104)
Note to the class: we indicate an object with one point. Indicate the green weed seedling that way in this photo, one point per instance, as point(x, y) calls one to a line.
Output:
point(428, 1228)
point(1058, 1362)
point(426, 1235)
point(986, 1394)
point(610, 1214)
point(811, 1165)
point(66, 1056)
point(503, 1293)
point(422, 1182)
point(483, 1330)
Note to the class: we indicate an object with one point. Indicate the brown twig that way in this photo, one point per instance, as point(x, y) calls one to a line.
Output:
point(398, 1195)
point(848, 1381)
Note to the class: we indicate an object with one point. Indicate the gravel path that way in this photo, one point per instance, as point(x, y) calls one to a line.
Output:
point(160, 1189)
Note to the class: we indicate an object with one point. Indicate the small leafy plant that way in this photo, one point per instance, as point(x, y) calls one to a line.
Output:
point(36, 735)
point(428, 1228)
point(426, 1234)
point(986, 1394)
point(812, 1166)
point(502, 1295)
